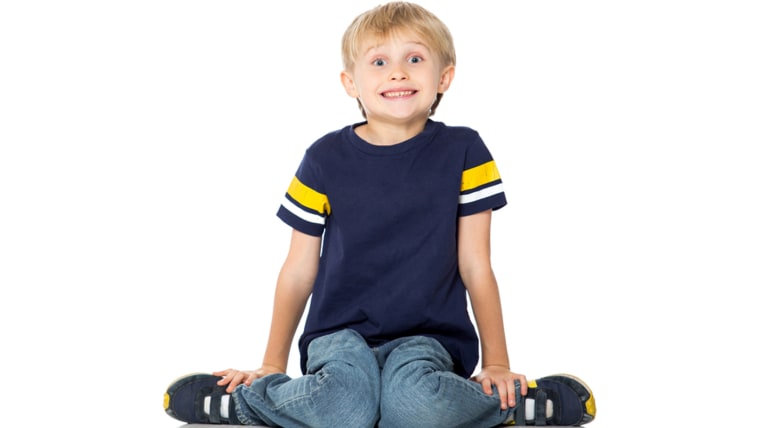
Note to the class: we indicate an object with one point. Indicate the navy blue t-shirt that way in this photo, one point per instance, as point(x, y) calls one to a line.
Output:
point(388, 267)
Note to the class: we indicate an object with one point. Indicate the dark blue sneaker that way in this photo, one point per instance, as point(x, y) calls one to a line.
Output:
point(559, 399)
point(197, 399)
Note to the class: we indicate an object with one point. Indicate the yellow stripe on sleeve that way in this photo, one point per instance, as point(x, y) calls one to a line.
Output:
point(479, 175)
point(309, 197)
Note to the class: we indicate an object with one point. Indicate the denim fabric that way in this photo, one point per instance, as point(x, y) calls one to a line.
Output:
point(404, 383)
point(420, 390)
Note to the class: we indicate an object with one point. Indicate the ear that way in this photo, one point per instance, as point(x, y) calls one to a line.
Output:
point(348, 84)
point(447, 75)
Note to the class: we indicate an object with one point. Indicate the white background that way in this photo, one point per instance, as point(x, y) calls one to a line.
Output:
point(145, 147)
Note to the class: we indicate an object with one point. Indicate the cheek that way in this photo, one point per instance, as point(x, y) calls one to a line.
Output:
point(364, 86)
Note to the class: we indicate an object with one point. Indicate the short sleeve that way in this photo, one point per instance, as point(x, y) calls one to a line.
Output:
point(305, 206)
point(482, 188)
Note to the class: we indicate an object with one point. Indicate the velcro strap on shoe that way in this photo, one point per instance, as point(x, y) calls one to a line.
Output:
point(200, 414)
point(518, 415)
point(215, 412)
point(541, 398)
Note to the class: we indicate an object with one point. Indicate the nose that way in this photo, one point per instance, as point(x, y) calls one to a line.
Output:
point(398, 73)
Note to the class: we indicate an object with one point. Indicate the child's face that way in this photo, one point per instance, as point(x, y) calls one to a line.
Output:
point(397, 78)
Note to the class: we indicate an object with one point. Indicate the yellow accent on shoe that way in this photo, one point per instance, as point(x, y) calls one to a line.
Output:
point(591, 405)
point(166, 401)
point(532, 384)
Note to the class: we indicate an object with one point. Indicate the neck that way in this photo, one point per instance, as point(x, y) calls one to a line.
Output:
point(388, 134)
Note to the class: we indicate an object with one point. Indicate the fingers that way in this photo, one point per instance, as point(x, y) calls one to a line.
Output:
point(507, 395)
point(487, 386)
point(506, 389)
point(221, 372)
point(252, 376)
point(232, 378)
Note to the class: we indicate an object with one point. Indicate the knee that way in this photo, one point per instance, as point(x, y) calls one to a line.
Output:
point(349, 392)
point(345, 379)
point(420, 403)
point(436, 399)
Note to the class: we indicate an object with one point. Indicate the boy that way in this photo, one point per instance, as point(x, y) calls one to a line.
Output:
point(391, 232)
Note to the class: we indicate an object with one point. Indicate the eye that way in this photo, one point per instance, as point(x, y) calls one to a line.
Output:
point(378, 62)
point(415, 59)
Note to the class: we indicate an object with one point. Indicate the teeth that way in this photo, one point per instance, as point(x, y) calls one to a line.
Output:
point(399, 93)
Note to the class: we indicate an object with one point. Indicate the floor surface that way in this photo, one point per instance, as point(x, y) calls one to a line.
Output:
point(210, 426)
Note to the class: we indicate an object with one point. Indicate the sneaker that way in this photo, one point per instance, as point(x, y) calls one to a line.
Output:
point(559, 399)
point(197, 399)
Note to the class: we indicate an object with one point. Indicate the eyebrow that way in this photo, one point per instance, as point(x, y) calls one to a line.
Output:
point(375, 46)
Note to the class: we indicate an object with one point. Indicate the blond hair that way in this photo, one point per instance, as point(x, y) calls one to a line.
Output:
point(385, 20)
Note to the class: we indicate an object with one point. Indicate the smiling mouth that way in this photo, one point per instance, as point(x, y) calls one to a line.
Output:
point(398, 94)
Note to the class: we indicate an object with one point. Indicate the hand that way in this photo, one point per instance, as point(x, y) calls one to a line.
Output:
point(233, 378)
point(504, 380)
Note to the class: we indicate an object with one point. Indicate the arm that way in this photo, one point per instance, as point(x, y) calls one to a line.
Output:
point(474, 239)
point(294, 286)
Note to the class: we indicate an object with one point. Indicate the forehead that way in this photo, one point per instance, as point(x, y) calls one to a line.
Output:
point(371, 42)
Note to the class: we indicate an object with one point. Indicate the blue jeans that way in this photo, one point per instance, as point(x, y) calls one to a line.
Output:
point(407, 382)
